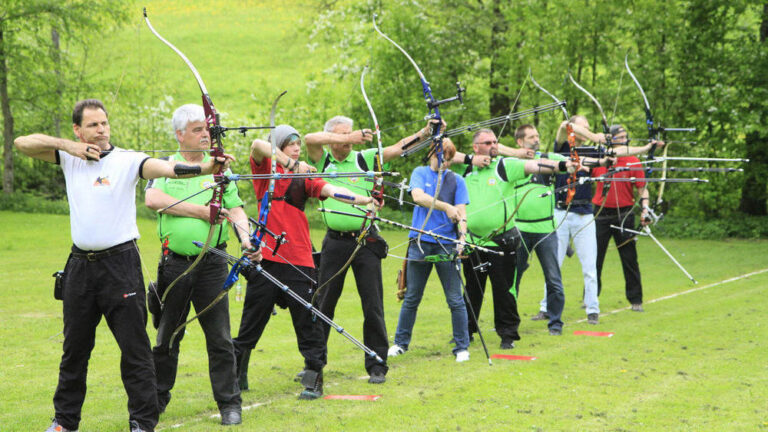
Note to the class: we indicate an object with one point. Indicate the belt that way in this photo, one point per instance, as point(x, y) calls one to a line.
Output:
point(190, 258)
point(97, 255)
point(339, 235)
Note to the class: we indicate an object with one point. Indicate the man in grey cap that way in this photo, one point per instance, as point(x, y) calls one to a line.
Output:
point(291, 262)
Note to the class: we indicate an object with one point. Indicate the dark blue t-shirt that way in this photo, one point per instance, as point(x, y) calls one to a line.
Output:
point(582, 199)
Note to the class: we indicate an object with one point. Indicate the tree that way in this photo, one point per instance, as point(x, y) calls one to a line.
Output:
point(32, 81)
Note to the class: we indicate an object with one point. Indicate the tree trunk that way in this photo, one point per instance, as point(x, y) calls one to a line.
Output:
point(7, 119)
point(754, 195)
point(500, 101)
point(56, 54)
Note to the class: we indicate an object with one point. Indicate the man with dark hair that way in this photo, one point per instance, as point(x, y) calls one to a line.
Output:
point(575, 221)
point(619, 202)
point(178, 227)
point(287, 216)
point(103, 272)
point(535, 219)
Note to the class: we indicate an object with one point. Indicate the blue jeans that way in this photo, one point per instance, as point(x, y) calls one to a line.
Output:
point(416, 279)
point(546, 250)
point(581, 228)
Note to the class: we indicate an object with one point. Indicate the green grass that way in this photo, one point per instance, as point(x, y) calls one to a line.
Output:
point(693, 362)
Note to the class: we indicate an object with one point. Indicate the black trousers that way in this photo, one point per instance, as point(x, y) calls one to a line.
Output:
point(112, 286)
point(628, 252)
point(366, 267)
point(505, 316)
point(198, 288)
point(262, 295)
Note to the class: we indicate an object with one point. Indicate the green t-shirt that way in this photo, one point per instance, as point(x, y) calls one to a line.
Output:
point(180, 230)
point(356, 161)
point(536, 213)
point(490, 197)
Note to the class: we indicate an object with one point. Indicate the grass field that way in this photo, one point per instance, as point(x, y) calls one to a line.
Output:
point(691, 362)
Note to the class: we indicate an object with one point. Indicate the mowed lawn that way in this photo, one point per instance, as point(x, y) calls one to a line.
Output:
point(695, 362)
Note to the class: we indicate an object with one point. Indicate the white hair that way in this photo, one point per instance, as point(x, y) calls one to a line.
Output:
point(185, 114)
point(330, 124)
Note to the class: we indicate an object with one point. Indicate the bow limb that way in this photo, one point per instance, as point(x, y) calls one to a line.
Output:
point(214, 129)
point(434, 113)
point(232, 277)
point(608, 143)
point(573, 179)
point(652, 130)
point(376, 190)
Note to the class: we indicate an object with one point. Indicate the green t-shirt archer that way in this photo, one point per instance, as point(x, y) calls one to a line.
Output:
point(491, 197)
point(356, 161)
point(181, 231)
point(536, 213)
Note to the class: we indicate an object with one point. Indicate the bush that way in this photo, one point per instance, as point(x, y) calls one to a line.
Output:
point(738, 225)
point(33, 203)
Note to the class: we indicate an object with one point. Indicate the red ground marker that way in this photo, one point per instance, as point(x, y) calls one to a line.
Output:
point(593, 333)
point(512, 357)
point(354, 397)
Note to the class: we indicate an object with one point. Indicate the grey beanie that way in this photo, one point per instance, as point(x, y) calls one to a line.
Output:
point(616, 129)
point(283, 135)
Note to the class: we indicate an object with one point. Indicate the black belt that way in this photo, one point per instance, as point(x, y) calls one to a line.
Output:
point(535, 220)
point(190, 258)
point(97, 255)
point(562, 205)
point(340, 235)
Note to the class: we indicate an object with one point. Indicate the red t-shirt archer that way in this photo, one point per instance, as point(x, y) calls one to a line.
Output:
point(287, 214)
point(620, 193)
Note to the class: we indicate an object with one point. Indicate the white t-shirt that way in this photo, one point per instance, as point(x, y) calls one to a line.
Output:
point(102, 198)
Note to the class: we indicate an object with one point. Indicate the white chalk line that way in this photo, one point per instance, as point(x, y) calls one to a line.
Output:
point(245, 408)
point(667, 297)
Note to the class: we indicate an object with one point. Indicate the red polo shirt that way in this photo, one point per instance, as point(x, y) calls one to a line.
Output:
point(620, 193)
point(286, 216)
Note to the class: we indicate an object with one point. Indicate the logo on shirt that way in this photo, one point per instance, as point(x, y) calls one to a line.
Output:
point(491, 181)
point(101, 181)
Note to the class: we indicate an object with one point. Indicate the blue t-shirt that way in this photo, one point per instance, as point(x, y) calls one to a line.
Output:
point(453, 190)
point(582, 199)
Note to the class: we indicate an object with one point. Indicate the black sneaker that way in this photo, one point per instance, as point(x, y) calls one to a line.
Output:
point(541, 316)
point(231, 416)
point(555, 332)
point(135, 427)
point(507, 343)
point(377, 377)
point(592, 319)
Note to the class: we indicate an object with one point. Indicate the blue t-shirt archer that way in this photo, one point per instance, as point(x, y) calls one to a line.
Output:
point(453, 190)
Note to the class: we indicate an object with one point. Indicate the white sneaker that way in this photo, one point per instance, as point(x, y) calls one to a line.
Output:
point(56, 427)
point(395, 350)
point(462, 356)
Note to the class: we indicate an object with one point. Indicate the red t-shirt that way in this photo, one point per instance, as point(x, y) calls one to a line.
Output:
point(285, 217)
point(621, 193)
